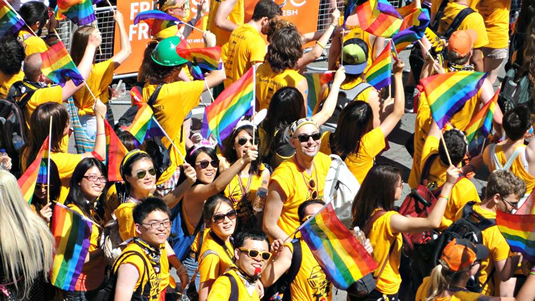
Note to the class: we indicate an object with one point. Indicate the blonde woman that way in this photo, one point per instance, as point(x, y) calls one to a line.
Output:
point(26, 244)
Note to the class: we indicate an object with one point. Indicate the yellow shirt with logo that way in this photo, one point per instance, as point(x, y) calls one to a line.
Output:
point(248, 187)
point(268, 82)
point(99, 80)
point(294, 183)
point(423, 292)
point(31, 43)
point(6, 81)
point(216, 262)
point(496, 16)
point(236, 16)
point(221, 289)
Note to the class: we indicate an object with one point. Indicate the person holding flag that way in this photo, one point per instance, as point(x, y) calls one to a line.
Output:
point(35, 15)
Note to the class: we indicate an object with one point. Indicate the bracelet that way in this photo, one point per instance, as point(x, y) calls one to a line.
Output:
point(319, 44)
point(444, 197)
point(100, 134)
point(333, 26)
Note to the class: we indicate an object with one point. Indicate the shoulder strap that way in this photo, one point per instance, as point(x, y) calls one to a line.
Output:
point(439, 15)
point(509, 162)
point(234, 289)
point(485, 223)
point(457, 21)
point(372, 220)
point(154, 95)
point(125, 255)
point(354, 92)
point(427, 167)
point(297, 259)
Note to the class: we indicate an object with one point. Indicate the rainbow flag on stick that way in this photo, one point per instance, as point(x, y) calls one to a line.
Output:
point(9, 20)
point(480, 126)
point(232, 104)
point(157, 20)
point(343, 259)
point(206, 58)
point(38, 168)
point(448, 92)
point(72, 233)
point(317, 83)
point(412, 29)
point(519, 231)
point(143, 126)
point(379, 74)
point(58, 65)
point(115, 152)
point(379, 18)
point(80, 12)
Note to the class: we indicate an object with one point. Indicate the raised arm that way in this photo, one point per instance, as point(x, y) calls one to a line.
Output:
point(332, 99)
point(393, 118)
point(172, 198)
point(281, 262)
point(221, 16)
point(100, 139)
point(126, 48)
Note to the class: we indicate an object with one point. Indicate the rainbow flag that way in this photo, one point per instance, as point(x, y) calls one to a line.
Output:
point(157, 20)
point(230, 106)
point(29, 178)
point(379, 74)
point(143, 126)
point(316, 84)
point(59, 67)
point(343, 259)
point(519, 231)
point(206, 58)
point(80, 12)
point(379, 18)
point(349, 7)
point(448, 92)
point(115, 152)
point(72, 233)
point(412, 28)
point(9, 20)
point(480, 126)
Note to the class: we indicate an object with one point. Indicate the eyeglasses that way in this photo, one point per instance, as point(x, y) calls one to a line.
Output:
point(243, 141)
point(514, 206)
point(254, 253)
point(204, 164)
point(219, 218)
point(157, 224)
point(401, 184)
point(142, 173)
point(94, 179)
point(306, 137)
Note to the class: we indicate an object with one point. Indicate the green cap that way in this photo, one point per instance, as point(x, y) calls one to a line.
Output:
point(165, 52)
point(355, 56)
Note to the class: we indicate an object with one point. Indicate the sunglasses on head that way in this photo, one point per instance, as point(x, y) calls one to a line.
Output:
point(254, 253)
point(204, 164)
point(306, 137)
point(243, 141)
point(219, 218)
point(142, 173)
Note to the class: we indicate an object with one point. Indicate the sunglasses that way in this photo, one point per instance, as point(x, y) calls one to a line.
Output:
point(311, 185)
point(254, 253)
point(204, 164)
point(306, 137)
point(219, 218)
point(514, 206)
point(142, 173)
point(243, 141)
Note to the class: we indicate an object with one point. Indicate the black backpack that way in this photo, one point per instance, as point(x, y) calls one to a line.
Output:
point(282, 286)
point(516, 89)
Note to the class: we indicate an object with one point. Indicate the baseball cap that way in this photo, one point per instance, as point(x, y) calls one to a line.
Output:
point(355, 56)
point(462, 41)
point(460, 254)
point(296, 125)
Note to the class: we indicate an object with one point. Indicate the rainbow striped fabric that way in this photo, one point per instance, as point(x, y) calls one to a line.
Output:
point(72, 233)
point(480, 126)
point(9, 21)
point(343, 259)
point(206, 58)
point(80, 12)
point(379, 18)
point(58, 65)
point(349, 7)
point(519, 231)
point(316, 84)
point(230, 106)
point(412, 28)
point(157, 20)
point(379, 75)
point(143, 127)
point(448, 92)
point(29, 178)
point(115, 152)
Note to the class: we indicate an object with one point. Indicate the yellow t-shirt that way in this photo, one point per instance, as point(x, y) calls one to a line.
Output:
point(31, 43)
point(236, 16)
point(92, 274)
point(166, 33)
point(268, 82)
point(66, 164)
point(295, 185)
point(310, 283)
point(382, 238)
point(127, 226)
point(245, 48)
point(496, 16)
point(423, 291)
point(99, 80)
point(172, 106)
point(214, 263)
point(235, 192)
point(498, 249)
point(7, 81)
point(517, 168)
point(40, 96)
point(221, 289)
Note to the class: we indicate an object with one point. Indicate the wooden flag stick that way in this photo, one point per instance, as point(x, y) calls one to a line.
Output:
point(254, 100)
point(427, 51)
point(445, 147)
point(111, 7)
point(209, 92)
point(48, 163)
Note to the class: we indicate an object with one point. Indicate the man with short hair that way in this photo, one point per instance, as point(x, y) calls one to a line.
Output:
point(251, 250)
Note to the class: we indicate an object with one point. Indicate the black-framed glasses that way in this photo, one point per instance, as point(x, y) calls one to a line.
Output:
point(219, 218)
point(142, 173)
point(243, 141)
point(254, 253)
point(157, 224)
point(514, 206)
point(204, 164)
point(306, 137)
point(94, 179)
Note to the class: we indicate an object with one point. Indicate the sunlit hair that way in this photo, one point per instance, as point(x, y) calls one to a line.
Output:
point(285, 49)
point(79, 42)
point(441, 279)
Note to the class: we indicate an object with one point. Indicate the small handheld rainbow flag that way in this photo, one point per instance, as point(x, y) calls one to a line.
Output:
point(480, 126)
point(316, 84)
point(29, 178)
point(343, 259)
point(230, 106)
point(206, 58)
point(519, 231)
point(379, 74)
point(9, 20)
point(80, 12)
point(58, 65)
point(115, 152)
point(379, 18)
point(412, 28)
point(448, 92)
point(143, 126)
point(157, 20)
point(72, 233)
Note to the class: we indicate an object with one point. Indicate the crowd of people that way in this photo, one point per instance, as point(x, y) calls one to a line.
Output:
point(199, 221)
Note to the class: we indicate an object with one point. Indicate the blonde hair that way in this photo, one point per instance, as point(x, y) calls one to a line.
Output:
point(26, 244)
point(441, 279)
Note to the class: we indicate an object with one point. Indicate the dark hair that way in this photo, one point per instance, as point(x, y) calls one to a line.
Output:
point(230, 153)
point(11, 55)
point(355, 120)
point(252, 234)
point(192, 156)
point(79, 42)
point(266, 8)
point(456, 143)
point(516, 122)
point(457, 58)
point(210, 206)
point(274, 25)
point(148, 205)
point(54, 186)
point(32, 12)
point(126, 166)
point(153, 71)
point(377, 191)
point(302, 208)
point(286, 106)
point(285, 49)
point(76, 195)
point(144, 71)
point(128, 140)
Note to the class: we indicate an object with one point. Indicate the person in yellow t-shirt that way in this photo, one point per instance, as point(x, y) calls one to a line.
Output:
point(224, 17)
point(246, 47)
point(11, 56)
point(252, 254)
point(503, 193)
point(460, 260)
point(373, 211)
point(143, 264)
point(299, 179)
point(35, 15)
point(40, 204)
point(181, 10)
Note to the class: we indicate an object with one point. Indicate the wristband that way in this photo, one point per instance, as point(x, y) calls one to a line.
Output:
point(444, 197)
point(319, 44)
point(100, 134)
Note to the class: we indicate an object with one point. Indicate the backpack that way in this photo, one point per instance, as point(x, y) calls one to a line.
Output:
point(344, 97)
point(180, 240)
point(280, 290)
point(516, 90)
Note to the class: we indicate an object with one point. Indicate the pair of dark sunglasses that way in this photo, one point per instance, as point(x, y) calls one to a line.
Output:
point(204, 164)
point(243, 141)
point(254, 253)
point(219, 218)
point(306, 137)
point(142, 173)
